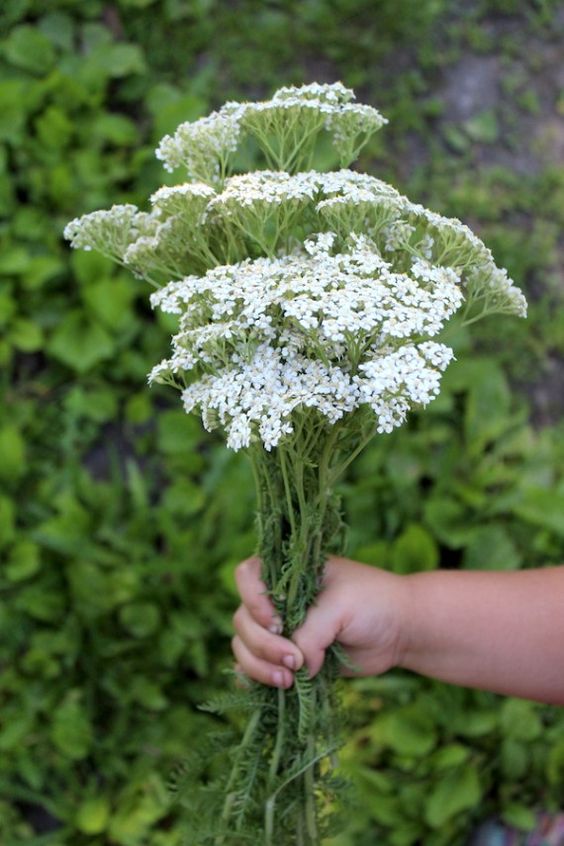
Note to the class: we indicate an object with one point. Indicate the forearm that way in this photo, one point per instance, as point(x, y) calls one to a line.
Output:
point(498, 631)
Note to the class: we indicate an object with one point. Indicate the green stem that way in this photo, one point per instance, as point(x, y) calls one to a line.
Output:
point(274, 764)
point(300, 830)
point(311, 817)
point(305, 138)
point(298, 523)
point(283, 467)
point(341, 469)
point(324, 463)
point(230, 796)
point(277, 751)
point(319, 757)
point(479, 316)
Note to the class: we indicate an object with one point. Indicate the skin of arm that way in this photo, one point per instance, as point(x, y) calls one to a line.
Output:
point(497, 631)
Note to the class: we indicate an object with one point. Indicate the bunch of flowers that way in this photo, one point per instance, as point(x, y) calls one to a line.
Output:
point(307, 305)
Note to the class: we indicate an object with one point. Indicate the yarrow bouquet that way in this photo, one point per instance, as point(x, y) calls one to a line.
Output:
point(307, 305)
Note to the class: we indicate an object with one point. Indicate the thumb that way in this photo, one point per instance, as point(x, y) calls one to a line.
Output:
point(319, 630)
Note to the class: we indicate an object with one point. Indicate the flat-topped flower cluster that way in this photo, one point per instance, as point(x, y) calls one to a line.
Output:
point(284, 127)
point(297, 289)
point(316, 329)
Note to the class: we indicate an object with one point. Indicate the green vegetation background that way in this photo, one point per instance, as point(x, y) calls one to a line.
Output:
point(121, 521)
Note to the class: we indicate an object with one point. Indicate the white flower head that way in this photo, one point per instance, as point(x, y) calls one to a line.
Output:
point(297, 292)
point(202, 146)
point(110, 231)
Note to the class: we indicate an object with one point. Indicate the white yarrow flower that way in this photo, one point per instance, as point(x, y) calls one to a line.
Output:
point(297, 290)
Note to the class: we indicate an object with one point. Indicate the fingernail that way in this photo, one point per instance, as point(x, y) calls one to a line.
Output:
point(276, 626)
point(289, 661)
point(278, 678)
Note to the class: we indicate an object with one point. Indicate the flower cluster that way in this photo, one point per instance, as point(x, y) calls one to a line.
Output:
point(332, 330)
point(192, 227)
point(205, 147)
point(188, 199)
point(110, 231)
point(392, 381)
point(264, 187)
point(334, 296)
point(257, 397)
point(295, 288)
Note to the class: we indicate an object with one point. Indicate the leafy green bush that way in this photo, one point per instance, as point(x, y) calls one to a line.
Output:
point(119, 527)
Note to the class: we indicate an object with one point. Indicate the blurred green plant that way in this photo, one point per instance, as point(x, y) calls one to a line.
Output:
point(120, 528)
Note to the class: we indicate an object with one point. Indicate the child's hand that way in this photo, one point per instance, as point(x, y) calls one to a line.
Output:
point(362, 607)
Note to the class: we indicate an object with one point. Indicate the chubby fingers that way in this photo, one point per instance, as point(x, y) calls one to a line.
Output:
point(325, 619)
point(254, 595)
point(265, 657)
point(320, 630)
point(258, 669)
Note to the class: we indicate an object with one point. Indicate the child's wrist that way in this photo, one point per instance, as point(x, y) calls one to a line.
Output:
point(412, 637)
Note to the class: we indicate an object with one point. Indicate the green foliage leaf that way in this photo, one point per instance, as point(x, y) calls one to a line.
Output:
point(519, 816)
point(455, 792)
point(26, 335)
point(66, 530)
point(15, 730)
point(134, 816)
point(117, 60)
point(28, 48)
point(377, 553)
point(177, 432)
point(90, 267)
point(170, 107)
point(147, 693)
point(408, 730)
point(42, 604)
point(456, 138)
point(13, 110)
point(449, 521)
point(451, 755)
point(386, 810)
point(7, 521)
point(487, 408)
point(12, 453)
point(476, 723)
point(41, 269)
point(491, 548)
point(93, 815)
point(80, 343)
point(7, 307)
point(514, 758)
point(555, 763)
point(24, 561)
point(115, 129)
point(54, 128)
point(184, 497)
point(542, 507)
point(520, 720)
point(98, 404)
point(414, 550)
point(59, 28)
point(71, 731)
point(141, 619)
point(109, 301)
point(91, 589)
